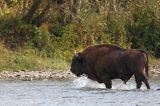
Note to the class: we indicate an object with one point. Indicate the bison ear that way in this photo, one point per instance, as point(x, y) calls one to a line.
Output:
point(79, 57)
point(75, 53)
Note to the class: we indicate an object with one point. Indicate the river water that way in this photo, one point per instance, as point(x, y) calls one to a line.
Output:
point(77, 92)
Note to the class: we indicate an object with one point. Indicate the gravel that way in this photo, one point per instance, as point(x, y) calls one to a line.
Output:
point(36, 75)
point(51, 75)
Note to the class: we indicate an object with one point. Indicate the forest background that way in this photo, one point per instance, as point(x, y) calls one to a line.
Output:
point(43, 34)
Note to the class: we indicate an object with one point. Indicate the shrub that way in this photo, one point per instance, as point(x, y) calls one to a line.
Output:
point(144, 28)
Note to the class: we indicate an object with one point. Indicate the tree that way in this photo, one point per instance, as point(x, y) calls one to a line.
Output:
point(37, 19)
point(29, 15)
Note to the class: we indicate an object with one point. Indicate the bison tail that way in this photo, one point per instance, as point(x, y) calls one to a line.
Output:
point(147, 65)
point(147, 69)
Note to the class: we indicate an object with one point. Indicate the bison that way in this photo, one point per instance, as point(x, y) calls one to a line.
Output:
point(104, 62)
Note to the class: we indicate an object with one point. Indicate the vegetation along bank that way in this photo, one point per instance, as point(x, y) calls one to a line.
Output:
point(43, 34)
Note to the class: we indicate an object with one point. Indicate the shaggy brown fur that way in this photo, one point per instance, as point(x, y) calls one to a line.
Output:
point(103, 63)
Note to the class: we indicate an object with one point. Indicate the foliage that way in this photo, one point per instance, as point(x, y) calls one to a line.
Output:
point(144, 28)
point(16, 34)
point(44, 34)
point(28, 59)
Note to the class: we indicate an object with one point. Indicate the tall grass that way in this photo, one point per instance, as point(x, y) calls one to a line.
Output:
point(29, 59)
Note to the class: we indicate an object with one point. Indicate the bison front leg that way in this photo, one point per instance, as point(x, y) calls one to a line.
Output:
point(107, 81)
point(108, 84)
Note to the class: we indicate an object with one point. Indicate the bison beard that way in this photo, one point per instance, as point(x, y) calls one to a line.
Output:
point(103, 63)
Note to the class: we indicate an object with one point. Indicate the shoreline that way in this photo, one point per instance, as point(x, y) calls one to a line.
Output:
point(52, 74)
point(155, 70)
point(36, 75)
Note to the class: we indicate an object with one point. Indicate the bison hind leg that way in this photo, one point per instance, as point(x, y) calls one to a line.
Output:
point(139, 79)
point(146, 83)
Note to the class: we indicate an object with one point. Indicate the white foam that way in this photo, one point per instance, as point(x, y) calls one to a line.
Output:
point(118, 84)
point(84, 82)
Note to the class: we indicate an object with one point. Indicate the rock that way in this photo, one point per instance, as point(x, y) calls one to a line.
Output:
point(42, 75)
point(18, 75)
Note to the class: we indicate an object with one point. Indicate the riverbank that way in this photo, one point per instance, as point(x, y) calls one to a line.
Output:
point(36, 75)
point(52, 75)
point(155, 70)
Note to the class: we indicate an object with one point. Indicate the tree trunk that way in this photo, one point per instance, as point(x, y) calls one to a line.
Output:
point(28, 17)
point(74, 9)
point(62, 18)
point(40, 18)
point(96, 6)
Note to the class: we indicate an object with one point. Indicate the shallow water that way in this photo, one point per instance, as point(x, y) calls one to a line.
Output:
point(77, 92)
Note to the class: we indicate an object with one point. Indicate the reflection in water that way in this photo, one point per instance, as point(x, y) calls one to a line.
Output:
point(78, 92)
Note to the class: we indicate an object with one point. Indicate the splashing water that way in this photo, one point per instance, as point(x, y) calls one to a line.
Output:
point(84, 82)
point(60, 93)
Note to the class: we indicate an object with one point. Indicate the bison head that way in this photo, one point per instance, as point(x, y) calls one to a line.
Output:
point(77, 64)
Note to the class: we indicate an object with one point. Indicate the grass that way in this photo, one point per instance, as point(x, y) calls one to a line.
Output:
point(29, 60)
point(154, 61)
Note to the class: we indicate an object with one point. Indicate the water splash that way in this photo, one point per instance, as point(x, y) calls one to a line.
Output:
point(118, 84)
point(84, 82)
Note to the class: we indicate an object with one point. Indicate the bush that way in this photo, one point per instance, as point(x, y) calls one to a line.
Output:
point(144, 28)
point(131, 24)
point(17, 34)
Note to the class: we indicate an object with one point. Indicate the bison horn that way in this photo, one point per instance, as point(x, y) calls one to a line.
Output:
point(75, 53)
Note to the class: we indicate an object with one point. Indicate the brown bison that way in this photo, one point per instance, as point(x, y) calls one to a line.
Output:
point(103, 63)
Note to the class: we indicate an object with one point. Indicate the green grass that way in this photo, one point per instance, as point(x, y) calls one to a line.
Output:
point(154, 61)
point(29, 60)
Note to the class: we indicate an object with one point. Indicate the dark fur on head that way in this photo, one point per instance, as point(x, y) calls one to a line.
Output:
point(77, 64)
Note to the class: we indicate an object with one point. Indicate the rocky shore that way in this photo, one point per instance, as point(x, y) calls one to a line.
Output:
point(155, 70)
point(36, 75)
point(51, 75)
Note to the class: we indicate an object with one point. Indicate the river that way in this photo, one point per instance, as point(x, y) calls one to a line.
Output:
point(77, 92)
